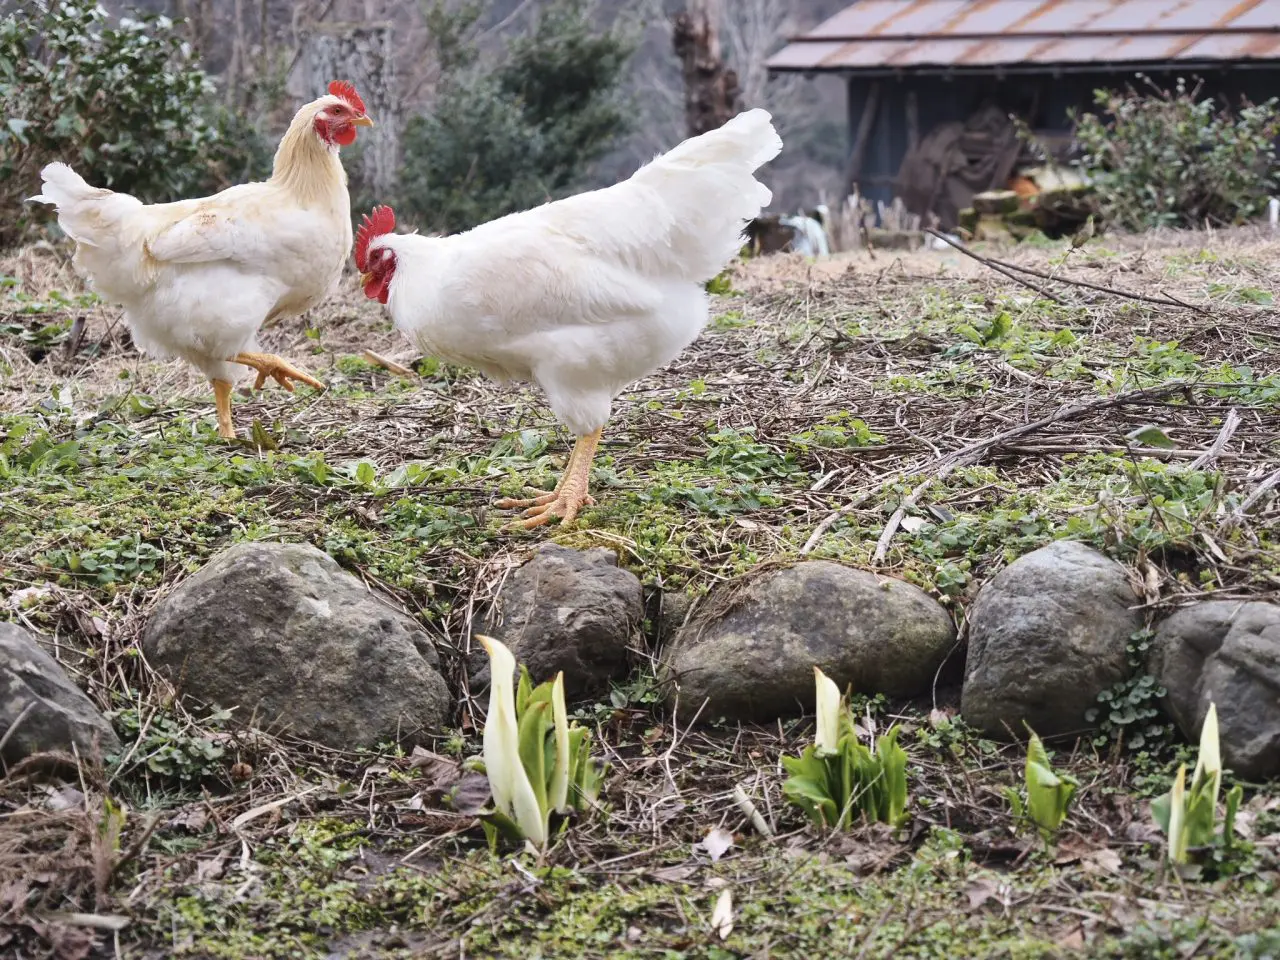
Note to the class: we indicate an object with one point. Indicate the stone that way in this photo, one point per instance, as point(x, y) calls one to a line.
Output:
point(749, 649)
point(565, 609)
point(300, 647)
point(41, 710)
point(666, 612)
point(1046, 635)
point(1226, 652)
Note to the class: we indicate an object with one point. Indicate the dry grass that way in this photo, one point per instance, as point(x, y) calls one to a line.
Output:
point(710, 468)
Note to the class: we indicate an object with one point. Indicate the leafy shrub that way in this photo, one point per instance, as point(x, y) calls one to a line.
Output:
point(506, 139)
point(1169, 158)
point(124, 103)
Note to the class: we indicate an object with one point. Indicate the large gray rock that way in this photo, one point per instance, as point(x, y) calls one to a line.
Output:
point(50, 711)
point(1226, 652)
point(569, 610)
point(298, 646)
point(1046, 636)
point(749, 650)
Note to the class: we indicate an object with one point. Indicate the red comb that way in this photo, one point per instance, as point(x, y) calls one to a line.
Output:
point(344, 90)
point(382, 220)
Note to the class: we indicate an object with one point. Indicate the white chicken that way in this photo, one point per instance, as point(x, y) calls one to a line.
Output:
point(198, 278)
point(583, 296)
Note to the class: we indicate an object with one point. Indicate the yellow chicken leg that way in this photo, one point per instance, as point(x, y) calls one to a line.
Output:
point(515, 503)
point(570, 494)
point(279, 369)
point(222, 403)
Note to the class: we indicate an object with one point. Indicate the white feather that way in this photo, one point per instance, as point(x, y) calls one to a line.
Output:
point(197, 278)
point(587, 295)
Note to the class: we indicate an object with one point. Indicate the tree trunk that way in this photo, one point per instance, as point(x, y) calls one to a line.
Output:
point(362, 53)
point(711, 94)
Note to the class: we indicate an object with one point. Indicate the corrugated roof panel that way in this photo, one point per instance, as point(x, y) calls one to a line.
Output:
point(994, 33)
point(1237, 46)
point(1062, 16)
point(803, 56)
point(993, 53)
point(871, 54)
point(1261, 15)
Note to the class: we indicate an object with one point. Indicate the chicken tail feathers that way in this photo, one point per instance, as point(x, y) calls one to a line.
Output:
point(709, 190)
point(73, 198)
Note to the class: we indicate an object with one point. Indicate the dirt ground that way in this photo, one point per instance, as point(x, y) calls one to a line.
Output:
point(924, 414)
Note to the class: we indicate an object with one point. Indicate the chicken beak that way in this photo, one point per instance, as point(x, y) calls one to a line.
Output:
point(365, 279)
point(363, 121)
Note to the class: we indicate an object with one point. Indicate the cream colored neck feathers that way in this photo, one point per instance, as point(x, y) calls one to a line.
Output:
point(305, 164)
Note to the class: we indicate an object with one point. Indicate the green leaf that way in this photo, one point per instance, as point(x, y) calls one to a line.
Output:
point(812, 796)
point(1049, 794)
point(533, 726)
point(1016, 805)
point(1151, 436)
point(1234, 796)
point(893, 762)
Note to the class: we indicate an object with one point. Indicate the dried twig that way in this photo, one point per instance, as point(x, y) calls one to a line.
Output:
point(882, 545)
point(996, 266)
point(387, 364)
point(1219, 443)
point(974, 452)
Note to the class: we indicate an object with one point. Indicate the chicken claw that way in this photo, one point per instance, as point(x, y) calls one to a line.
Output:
point(564, 505)
point(279, 369)
point(570, 494)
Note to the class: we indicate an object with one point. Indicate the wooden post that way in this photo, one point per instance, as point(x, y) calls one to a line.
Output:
point(711, 93)
point(362, 53)
point(858, 152)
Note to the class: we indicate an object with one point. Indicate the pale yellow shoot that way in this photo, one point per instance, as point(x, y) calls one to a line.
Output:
point(512, 792)
point(1178, 817)
point(828, 710)
point(559, 793)
point(1209, 761)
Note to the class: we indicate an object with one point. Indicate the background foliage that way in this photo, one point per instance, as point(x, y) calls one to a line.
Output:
point(508, 139)
point(124, 102)
point(1164, 158)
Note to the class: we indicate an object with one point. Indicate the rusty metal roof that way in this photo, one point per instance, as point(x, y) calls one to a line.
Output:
point(888, 36)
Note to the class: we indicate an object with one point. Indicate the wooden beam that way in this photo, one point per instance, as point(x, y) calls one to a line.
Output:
point(859, 150)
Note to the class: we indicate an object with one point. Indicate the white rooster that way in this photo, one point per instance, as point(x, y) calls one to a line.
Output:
point(198, 278)
point(583, 296)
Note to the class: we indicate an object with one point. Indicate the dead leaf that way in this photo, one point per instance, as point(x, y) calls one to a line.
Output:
point(1151, 583)
point(717, 842)
point(1103, 860)
point(674, 874)
point(259, 810)
point(210, 869)
point(61, 798)
point(1073, 939)
point(440, 772)
point(722, 915)
point(193, 817)
point(979, 890)
point(470, 794)
point(912, 524)
point(938, 717)
point(1141, 831)
point(67, 942)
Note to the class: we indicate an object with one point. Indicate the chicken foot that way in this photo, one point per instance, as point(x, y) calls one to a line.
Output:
point(570, 494)
point(267, 365)
point(222, 403)
point(279, 369)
